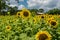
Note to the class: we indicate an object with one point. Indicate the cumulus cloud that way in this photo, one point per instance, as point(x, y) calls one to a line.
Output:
point(20, 7)
point(45, 4)
point(21, 0)
point(32, 3)
point(58, 4)
point(12, 3)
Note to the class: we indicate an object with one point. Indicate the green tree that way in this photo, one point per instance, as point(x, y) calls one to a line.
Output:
point(12, 10)
point(3, 5)
point(34, 10)
point(41, 10)
point(54, 11)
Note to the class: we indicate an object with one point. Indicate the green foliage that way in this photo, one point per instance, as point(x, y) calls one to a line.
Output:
point(4, 7)
point(41, 10)
point(26, 29)
point(54, 11)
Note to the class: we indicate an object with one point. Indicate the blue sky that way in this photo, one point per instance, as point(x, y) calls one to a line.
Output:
point(45, 4)
point(23, 3)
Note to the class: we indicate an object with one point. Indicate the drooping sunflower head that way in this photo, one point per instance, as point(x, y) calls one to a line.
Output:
point(8, 28)
point(25, 13)
point(43, 35)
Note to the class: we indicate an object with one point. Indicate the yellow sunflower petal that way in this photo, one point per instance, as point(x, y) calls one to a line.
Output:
point(43, 35)
point(25, 13)
point(8, 28)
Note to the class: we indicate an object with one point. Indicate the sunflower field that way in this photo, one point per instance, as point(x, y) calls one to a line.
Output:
point(24, 26)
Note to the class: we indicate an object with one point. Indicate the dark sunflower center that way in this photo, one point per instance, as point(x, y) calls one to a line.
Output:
point(33, 20)
point(43, 37)
point(8, 27)
point(18, 13)
point(42, 16)
point(26, 14)
point(53, 23)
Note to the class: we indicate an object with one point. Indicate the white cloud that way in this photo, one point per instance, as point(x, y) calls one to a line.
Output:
point(12, 5)
point(32, 3)
point(20, 7)
point(45, 4)
point(13, 2)
point(21, 0)
point(58, 4)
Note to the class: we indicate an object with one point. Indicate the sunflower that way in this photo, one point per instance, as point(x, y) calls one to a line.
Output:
point(18, 14)
point(34, 20)
point(53, 23)
point(50, 16)
point(25, 13)
point(49, 19)
point(38, 17)
point(42, 16)
point(8, 28)
point(43, 35)
point(59, 16)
